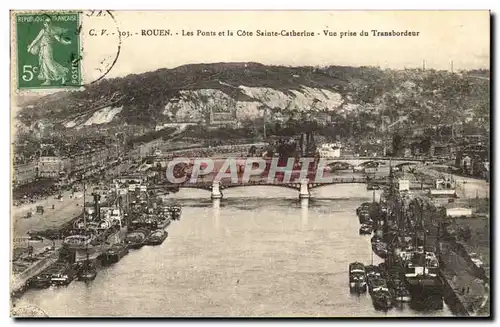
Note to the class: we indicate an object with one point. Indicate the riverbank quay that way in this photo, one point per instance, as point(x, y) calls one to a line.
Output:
point(454, 240)
point(19, 281)
point(462, 246)
point(66, 208)
point(38, 240)
point(465, 293)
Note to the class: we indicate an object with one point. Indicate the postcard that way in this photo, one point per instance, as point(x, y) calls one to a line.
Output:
point(250, 163)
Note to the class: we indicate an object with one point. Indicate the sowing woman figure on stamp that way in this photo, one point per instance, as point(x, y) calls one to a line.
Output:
point(42, 45)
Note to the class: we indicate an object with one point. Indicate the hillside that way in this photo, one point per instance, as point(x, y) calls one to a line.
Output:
point(244, 91)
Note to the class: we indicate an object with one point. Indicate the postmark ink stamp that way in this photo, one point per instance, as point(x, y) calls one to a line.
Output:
point(48, 50)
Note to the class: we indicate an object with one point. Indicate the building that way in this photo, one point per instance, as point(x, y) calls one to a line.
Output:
point(49, 166)
point(25, 173)
point(147, 148)
point(329, 150)
point(89, 160)
point(223, 119)
point(458, 212)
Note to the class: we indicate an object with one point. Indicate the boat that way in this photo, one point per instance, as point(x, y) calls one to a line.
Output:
point(42, 280)
point(163, 222)
point(97, 230)
point(365, 230)
point(114, 253)
point(175, 212)
point(137, 238)
point(379, 247)
point(87, 271)
point(61, 273)
point(157, 237)
point(377, 283)
point(357, 277)
point(422, 269)
point(372, 270)
point(364, 216)
point(401, 294)
point(382, 299)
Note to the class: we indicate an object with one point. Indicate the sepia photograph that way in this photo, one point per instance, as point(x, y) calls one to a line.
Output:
point(306, 164)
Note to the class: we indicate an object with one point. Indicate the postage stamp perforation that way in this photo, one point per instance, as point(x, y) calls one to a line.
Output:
point(48, 42)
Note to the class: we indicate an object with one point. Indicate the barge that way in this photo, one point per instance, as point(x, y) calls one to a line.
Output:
point(137, 238)
point(157, 237)
point(114, 254)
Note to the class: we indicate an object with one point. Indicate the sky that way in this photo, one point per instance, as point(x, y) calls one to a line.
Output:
point(444, 36)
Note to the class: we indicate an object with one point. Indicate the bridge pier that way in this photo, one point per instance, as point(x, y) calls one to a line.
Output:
point(216, 193)
point(304, 190)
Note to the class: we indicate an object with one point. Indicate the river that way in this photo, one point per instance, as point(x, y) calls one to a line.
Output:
point(258, 252)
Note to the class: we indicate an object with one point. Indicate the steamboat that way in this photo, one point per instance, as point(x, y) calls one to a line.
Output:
point(96, 232)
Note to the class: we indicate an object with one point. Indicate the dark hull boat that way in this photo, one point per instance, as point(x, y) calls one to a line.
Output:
point(87, 273)
point(357, 277)
point(42, 280)
point(422, 274)
point(115, 253)
point(382, 300)
point(62, 274)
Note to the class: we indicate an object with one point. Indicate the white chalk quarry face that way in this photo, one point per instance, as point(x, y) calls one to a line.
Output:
point(101, 116)
point(194, 103)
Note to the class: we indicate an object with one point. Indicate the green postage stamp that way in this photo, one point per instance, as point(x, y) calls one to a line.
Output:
point(48, 50)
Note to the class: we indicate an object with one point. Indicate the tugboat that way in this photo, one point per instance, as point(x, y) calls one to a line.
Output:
point(157, 237)
point(93, 234)
point(137, 238)
point(357, 277)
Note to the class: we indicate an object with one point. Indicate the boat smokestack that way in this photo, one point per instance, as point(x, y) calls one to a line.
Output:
point(97, 206)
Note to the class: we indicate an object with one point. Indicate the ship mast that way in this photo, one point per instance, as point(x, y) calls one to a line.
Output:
point(85, 223)
point(84, 218)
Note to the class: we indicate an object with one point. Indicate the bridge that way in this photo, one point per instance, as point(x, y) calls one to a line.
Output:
point(360, 161)
point(303, 186)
